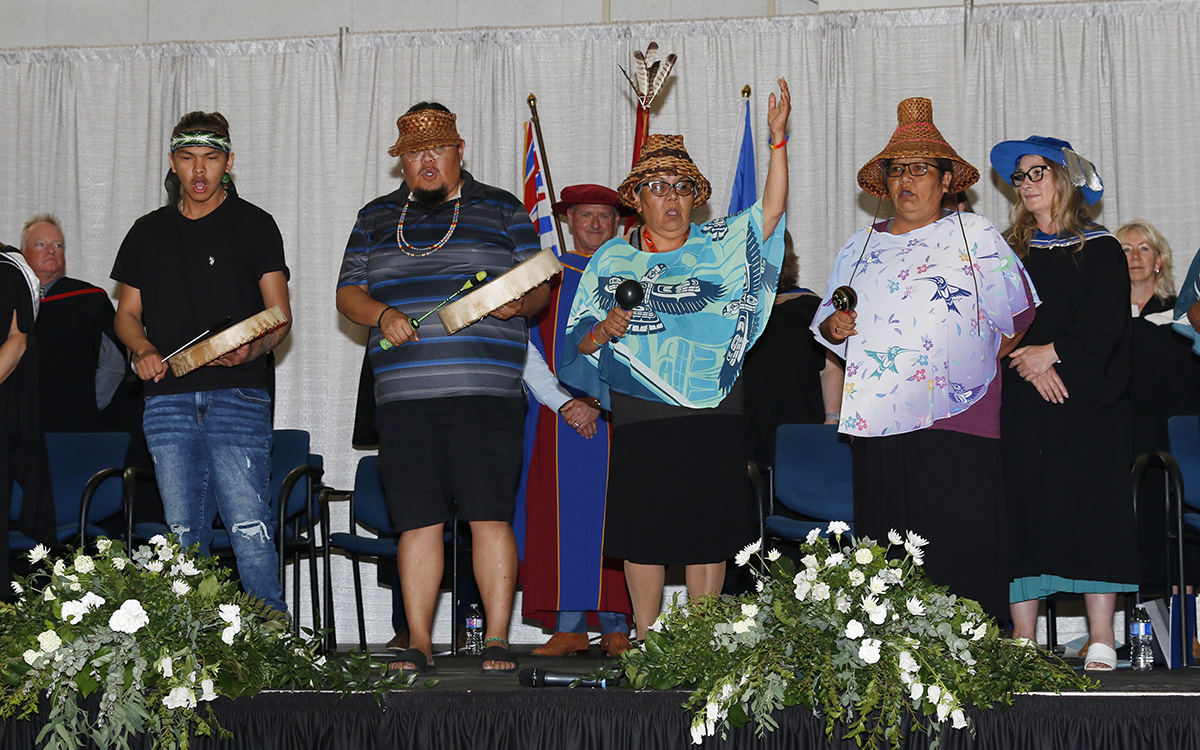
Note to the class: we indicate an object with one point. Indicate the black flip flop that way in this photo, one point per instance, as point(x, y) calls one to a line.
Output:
point(413, 656)
point(499, 653)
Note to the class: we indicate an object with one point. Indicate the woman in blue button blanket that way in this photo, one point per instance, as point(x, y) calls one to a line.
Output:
point(668, 369)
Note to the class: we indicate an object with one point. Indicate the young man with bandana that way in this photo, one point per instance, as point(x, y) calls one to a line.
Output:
point(450, 409)
point(204, 258)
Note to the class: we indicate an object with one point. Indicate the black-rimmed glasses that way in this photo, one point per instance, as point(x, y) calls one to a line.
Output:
point(916, 169)
point(1035, 174)
point(659, 188)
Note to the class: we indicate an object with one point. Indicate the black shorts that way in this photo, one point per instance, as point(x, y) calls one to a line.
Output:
point(439, 454)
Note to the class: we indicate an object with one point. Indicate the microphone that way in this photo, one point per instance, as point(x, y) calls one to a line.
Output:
point(629, 295)
point(534, 677)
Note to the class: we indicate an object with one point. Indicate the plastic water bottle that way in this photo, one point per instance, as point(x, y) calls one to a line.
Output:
point(474, 645)
point(1141, 641)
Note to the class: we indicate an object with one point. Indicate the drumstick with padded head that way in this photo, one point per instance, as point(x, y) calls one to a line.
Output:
point(384, 344)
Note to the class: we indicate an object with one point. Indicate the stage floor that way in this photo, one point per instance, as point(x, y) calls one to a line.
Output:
point(466, 710)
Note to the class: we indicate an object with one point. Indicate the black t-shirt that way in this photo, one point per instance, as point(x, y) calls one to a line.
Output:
point(192, 274)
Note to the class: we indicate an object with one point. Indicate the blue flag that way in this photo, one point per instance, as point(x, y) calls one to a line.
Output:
point(745, 185)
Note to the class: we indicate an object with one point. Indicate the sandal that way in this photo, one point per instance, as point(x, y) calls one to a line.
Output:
point(414, 656)
point(1103, 656)
point(498, 653)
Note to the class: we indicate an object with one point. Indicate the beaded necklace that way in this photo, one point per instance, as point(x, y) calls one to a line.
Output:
point(403, 244)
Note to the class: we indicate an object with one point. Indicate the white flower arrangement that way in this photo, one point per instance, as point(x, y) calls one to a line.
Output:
point(156, 647)
point(854, 631)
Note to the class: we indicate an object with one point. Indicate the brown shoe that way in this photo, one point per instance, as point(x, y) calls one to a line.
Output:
point(399, 641)
point(564, 644)
point(615, 644)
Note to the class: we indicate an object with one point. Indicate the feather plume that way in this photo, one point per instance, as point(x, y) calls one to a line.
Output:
point(649, 73)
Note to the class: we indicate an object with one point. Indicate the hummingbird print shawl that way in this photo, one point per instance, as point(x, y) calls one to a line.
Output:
point(932, 305)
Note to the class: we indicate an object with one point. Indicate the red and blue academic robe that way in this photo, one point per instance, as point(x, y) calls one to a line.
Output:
point(564, 567)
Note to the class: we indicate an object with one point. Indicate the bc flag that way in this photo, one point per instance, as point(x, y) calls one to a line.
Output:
point(745, 183)
point(537, 196)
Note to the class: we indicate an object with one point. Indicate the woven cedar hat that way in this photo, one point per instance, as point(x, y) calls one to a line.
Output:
point(425, 128)
point(593, 195)
point(915, 136)
point(664, 154)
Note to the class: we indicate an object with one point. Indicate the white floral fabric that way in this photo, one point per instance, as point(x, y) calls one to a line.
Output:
point(919, 355)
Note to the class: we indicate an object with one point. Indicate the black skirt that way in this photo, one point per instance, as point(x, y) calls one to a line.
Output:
point(949, 488)
point(678, 491)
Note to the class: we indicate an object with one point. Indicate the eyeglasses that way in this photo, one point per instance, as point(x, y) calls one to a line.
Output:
point(659, 188)
point(434, 153)
point(916, 169)
point(1035, 174)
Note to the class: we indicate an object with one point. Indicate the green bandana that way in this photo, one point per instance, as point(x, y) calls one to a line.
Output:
point(201, 139)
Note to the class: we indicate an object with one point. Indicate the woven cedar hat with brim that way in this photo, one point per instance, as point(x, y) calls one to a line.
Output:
point(1006, 156)
point(589, 195)
point(664, 154)
point(915, 136)
point(425, 128)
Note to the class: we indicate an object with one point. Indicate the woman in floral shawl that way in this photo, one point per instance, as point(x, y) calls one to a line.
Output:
point(668, 368)
point(940, 296)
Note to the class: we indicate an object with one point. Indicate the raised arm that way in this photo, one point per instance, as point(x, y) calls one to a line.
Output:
point(775, 192)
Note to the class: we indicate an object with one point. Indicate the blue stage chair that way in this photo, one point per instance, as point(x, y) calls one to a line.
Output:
point(81, 465)
point(813, 477)
point(368, 509)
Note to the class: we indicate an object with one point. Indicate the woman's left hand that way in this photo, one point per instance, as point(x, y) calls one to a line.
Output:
point(1032, 361)
point(778, 111)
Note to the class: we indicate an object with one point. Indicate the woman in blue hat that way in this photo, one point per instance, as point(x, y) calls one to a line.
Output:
point(1065, 415)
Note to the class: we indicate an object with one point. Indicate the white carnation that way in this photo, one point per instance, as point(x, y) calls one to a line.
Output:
point(837, 558)
point(119, 563)
point(869, 650)
point(130, 617)
point(158, 540)
point(228, 633)
point(820, 592)
point(841, 603)
point(812, 536)
point(854, 630)
point(73, 612)
point(92, 601)
point(837, 527)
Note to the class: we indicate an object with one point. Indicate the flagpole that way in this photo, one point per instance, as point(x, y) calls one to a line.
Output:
point(537, 133)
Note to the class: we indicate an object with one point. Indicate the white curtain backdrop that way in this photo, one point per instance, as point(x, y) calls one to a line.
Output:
point(312, 120)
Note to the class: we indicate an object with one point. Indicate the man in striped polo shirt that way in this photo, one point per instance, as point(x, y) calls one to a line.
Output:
point(450, 409)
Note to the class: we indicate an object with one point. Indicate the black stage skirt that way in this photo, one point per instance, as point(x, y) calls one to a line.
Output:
point(949, 488)
point(678, 491)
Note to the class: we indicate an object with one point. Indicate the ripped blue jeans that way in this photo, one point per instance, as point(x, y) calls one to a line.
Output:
point(212, 453)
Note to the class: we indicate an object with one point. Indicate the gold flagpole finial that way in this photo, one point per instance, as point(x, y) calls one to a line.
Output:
point(745, 91)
